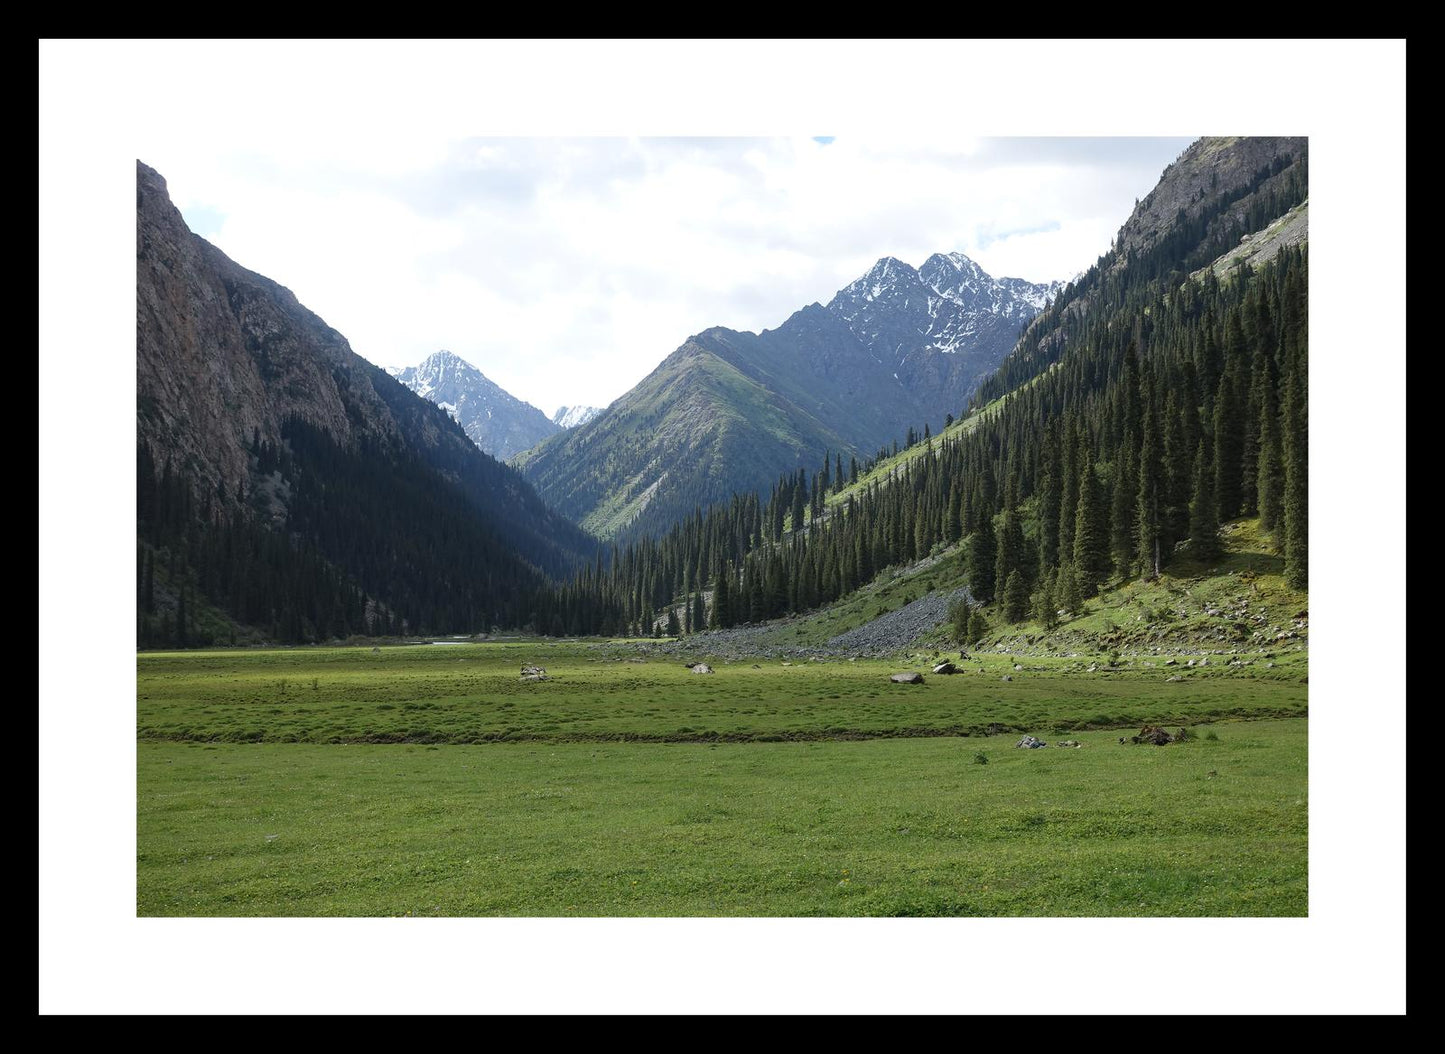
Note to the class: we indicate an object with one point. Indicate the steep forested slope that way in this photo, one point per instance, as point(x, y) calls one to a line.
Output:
point(271, 461)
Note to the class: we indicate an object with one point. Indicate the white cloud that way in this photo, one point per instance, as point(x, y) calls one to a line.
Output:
point(566, 269)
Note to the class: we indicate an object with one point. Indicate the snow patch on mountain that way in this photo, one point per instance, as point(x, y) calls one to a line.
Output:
point(574, 416)
point(950, 303)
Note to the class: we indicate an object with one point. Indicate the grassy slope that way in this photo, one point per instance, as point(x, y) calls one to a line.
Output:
point(893, 827)
point(695, 430)
point(1238, 603)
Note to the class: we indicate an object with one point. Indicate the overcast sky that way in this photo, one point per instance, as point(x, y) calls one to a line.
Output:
point(566, 269)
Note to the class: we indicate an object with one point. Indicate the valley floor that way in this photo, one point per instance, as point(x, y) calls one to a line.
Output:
point(430, 780)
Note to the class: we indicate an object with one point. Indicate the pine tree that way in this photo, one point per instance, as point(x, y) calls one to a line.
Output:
point(721, 617)
point(181, 617)
point(1271, 464)
point(1050, 496)
point(1228, 445)
point(1203, 517)
point(1066, 589)
point(1148, 507)
point(1260, 383)
point(1044, 606)
point(1091, 541)
point(1121, 509)
point(1015, 598)
point(953, 517)
point(1009, 552)
point(673, 628)
point(977, 625)
point(1296, 477)
point(982, 563)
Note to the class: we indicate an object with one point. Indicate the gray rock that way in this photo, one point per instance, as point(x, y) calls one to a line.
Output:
point(1006, 677)
point(1176, 677)
point(945, 668)
point(528, 670)
point(907, 678)
point(1030, 743)
point(701, 667)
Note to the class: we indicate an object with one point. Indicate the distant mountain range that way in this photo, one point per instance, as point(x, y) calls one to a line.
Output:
point(730, 411)
point(492, 417)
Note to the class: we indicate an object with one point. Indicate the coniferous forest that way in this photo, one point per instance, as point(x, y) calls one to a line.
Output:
point(1173, 413)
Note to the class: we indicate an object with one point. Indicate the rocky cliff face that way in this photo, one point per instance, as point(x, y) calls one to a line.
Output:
point(225, 358)
point(1208, 168)
point(495, 420)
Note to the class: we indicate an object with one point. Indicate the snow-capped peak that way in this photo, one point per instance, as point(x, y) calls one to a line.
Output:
point(573, 416)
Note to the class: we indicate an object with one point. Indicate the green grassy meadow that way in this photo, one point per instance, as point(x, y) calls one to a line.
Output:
point(430, 780)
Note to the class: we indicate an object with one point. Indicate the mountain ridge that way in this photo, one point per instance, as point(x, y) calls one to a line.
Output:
point(889, 351)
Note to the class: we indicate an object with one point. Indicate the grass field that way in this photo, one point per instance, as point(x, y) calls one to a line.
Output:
point(883, 827)
point(429, 780)
point(471, 693)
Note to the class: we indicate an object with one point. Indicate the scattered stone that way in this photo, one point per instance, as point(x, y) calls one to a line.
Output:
point(532, 671)
point(1006, 677)
point(1175, 678)
point(907, 678)
point(1158, 736)
point(1017, 666)
point(1069, 743)
point(1204, 662)
point(701, 667)
point(1171, 662)
point(1269, 666)
point(1030, 743)
point(374, 650)
point(1189, 663)
point(945, 668)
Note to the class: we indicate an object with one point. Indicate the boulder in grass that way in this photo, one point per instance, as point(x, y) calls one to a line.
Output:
point(701, 667)
point(907, 678)
point(533, 673)
point(1158, 736)
point(945, 668)
point(1030, 743)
